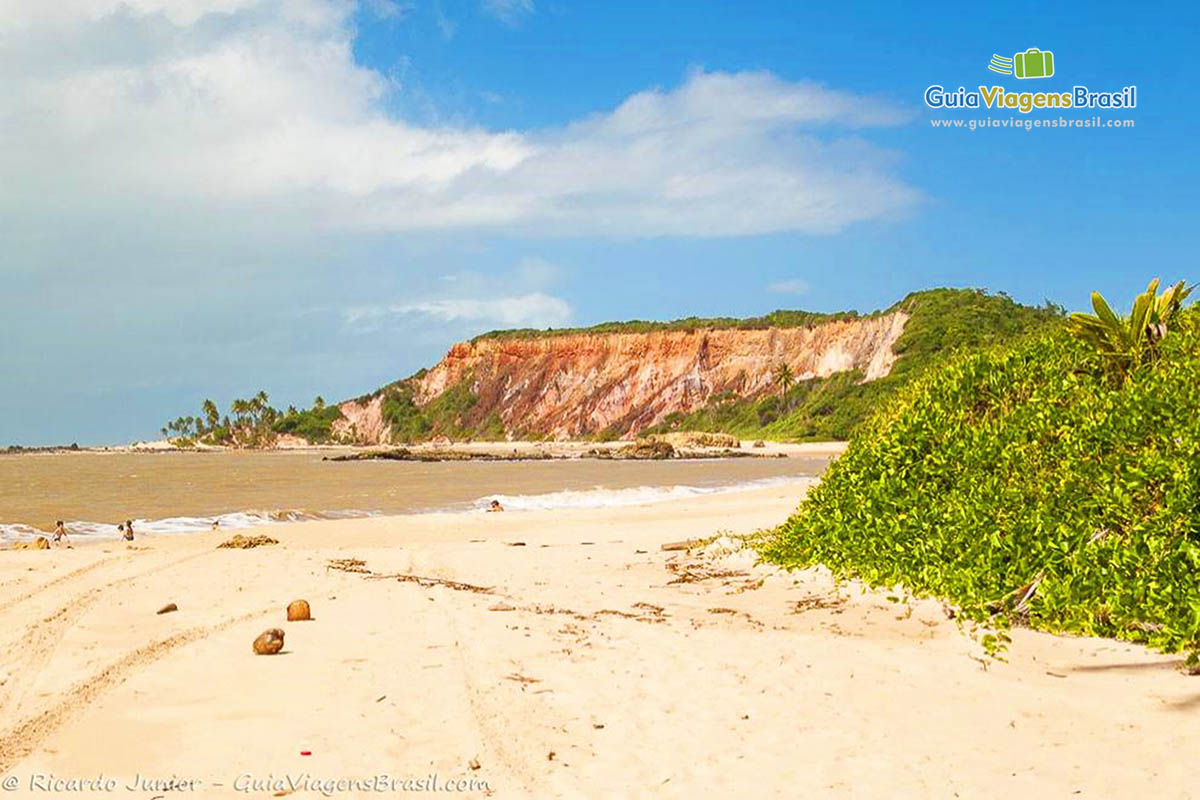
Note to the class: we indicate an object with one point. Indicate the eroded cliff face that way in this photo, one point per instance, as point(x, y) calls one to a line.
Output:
point(573, 385)
point(362, 423)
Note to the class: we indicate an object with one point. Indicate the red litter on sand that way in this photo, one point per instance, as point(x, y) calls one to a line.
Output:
point(306, 752)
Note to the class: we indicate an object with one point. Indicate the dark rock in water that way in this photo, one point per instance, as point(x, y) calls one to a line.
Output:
point(167, 609)
point(240, 542)
point(298, 611)
point(653, 450)
point(269, 642)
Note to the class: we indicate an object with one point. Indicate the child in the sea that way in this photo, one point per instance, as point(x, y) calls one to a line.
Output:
point(495, 506)
point(60, 534)
point(127, 530)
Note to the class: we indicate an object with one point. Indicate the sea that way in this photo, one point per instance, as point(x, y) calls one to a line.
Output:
point(168, 493)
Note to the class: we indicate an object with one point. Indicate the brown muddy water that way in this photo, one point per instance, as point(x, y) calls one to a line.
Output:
point(181, 492)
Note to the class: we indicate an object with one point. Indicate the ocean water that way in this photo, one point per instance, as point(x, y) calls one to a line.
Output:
point(172, 493)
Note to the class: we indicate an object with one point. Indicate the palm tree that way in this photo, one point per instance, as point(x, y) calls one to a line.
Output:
point(211, 414)
point(784, 378)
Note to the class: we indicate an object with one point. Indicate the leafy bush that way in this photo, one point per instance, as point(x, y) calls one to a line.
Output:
point(408, 422)
point(1133, 339)
point(314, 425)
point(1024, 485)
point(453, 413)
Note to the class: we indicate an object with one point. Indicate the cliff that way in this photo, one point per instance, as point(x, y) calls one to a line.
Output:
point(573, 385)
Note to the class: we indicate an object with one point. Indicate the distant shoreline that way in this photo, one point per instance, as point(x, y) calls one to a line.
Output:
point(464, 451)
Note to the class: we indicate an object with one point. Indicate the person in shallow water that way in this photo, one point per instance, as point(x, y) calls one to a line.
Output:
point(495, 506)
point(60, 534)
point(126, 530)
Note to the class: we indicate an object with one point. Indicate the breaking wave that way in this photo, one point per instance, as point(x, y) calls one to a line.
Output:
point(595, 497)
point(601, 497)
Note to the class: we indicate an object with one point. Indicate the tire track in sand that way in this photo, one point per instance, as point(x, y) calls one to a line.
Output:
point(21, 740)
point(35, 648)
point(50, 584)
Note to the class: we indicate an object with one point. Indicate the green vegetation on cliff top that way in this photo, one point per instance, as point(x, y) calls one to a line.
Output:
point(776, 319)
point(1043, 482)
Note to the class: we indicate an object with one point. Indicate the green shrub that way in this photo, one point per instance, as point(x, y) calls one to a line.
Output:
point(1025, 486)
point(314, 425)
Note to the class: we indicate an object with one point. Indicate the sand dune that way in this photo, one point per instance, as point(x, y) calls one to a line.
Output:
point(596, 665)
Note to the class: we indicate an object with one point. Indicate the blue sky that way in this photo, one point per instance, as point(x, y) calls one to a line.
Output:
point(208, 197)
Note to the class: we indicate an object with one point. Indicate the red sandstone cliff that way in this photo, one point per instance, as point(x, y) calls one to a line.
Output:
point(570, 385)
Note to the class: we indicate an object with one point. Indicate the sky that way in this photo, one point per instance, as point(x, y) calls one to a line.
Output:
point(204, 198)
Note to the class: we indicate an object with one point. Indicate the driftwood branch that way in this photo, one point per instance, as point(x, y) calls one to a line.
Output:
point(359, 567)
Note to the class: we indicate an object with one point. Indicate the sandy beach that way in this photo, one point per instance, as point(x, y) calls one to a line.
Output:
point(595, 664)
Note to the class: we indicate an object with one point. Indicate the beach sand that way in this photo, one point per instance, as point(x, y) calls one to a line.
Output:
point(598, 665)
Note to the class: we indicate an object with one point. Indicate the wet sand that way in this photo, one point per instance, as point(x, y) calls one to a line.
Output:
point(596, 665)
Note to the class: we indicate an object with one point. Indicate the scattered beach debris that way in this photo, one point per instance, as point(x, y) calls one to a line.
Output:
point(514, 544)
point(40, 543)
point(348, 565)
point(818, 601)
point(167, 609)
point(615, 613)
point(760, 443)
point(473, 764)
point(502, 607)
point(686, 544)
point(522, 679)
point(696, 572)
point(269, 642)
point(240, 542)
point(358, 566)
point(299, 611)
point(721, 610)
point(650, 608)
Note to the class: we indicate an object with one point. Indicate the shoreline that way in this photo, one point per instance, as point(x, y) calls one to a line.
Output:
point(593, 662)
point(635, 496)
point(513, 449)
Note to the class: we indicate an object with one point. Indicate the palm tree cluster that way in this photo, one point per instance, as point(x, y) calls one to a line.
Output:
point(249, 422)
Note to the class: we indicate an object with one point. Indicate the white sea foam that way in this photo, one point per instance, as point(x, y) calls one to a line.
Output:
point(596, 497)
point(602, 497)
point(173, 525)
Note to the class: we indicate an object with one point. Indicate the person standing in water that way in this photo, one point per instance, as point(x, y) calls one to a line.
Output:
point(60, 534)
point(128, 530)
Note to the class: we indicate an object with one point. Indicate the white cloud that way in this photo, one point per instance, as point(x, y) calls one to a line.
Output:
point(219, 106)
point(515, 298)
point(508, 11)
point(791, 286)
point(534, 310)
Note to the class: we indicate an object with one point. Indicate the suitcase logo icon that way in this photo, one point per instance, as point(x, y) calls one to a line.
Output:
point(1033, 63)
